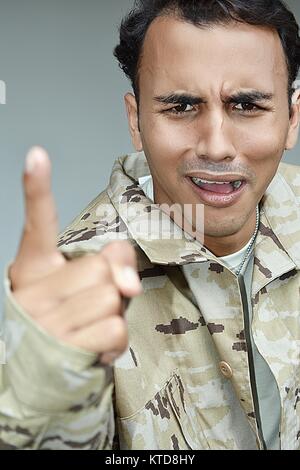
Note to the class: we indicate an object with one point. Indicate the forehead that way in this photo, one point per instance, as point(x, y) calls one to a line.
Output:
point(177, 55)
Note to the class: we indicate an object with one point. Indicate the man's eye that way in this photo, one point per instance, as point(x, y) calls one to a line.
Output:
point(247, 107)
point(181, 109)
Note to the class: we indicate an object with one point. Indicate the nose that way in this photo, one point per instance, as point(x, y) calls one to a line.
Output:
point(215, 141)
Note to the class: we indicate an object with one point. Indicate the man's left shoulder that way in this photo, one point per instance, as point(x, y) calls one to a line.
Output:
point(291, 175)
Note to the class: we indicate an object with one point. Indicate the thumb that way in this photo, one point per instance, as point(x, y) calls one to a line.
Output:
point(121, 258)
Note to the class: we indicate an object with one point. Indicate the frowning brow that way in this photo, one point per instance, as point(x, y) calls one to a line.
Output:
point(179, 98)
point(252, 96)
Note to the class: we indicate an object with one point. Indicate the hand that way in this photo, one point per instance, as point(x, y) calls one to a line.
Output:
point(79, 301)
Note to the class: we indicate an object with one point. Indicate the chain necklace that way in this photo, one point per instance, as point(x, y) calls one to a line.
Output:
point(249, 249)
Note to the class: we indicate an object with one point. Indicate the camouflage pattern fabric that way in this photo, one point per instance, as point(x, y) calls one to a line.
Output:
point(167, 391)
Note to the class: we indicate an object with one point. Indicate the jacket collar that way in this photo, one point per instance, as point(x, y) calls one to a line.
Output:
point(277, 248)
point(281, 208)
point(278, 242)
point(136, 210)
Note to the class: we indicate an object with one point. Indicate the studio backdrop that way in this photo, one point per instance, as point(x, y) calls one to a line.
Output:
point(63, 90)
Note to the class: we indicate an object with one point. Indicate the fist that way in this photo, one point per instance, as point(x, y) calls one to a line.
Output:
point(80, 302)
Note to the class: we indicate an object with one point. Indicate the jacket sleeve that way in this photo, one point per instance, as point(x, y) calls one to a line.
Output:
point(52, 396)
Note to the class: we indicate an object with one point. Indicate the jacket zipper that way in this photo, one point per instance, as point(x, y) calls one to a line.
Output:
point(251, 360)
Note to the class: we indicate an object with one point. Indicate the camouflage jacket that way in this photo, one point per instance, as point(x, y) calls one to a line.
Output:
point(184, 381)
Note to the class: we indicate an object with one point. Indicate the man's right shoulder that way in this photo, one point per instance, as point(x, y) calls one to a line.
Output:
point(98, 224)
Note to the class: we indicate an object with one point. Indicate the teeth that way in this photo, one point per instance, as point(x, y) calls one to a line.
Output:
point(235, 184)
point(200, 181)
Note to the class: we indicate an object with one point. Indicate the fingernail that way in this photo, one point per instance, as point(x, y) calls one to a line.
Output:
point(35, 156)
point(130, 278)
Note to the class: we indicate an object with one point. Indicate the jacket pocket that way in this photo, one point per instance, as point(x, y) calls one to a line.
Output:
point(167, 422)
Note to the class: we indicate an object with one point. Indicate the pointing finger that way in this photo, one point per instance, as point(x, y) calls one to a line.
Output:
point(41, 227)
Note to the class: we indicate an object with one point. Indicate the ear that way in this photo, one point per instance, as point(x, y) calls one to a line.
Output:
point(293, 132)
point(133, 121)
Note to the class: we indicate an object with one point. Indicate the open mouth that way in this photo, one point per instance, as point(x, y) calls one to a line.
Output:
point(218, 194)
point(226, 187)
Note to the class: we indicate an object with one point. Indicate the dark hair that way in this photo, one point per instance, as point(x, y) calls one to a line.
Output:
point(269, 13)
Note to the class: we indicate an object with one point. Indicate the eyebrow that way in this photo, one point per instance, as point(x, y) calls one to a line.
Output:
point(252, 96)
point(179, 98)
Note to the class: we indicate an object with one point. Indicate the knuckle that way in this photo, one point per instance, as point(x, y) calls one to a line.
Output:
point(101, 268)
point(119, 245)
point(122, 249)
point(119, 336)
point(114, 299)
point(123, 246)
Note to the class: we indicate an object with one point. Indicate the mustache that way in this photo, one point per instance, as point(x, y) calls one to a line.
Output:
point(220, 168)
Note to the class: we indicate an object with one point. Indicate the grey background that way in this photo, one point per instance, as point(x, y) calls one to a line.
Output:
point(65, 92)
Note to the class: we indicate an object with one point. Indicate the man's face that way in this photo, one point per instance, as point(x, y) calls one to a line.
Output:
point(234, 131)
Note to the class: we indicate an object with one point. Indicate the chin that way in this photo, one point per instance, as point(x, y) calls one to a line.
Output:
point(220, 230)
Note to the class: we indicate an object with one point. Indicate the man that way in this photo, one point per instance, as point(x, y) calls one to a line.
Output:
point(212, 360)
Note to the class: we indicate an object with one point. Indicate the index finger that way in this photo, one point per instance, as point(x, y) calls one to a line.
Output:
point(41, 227)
